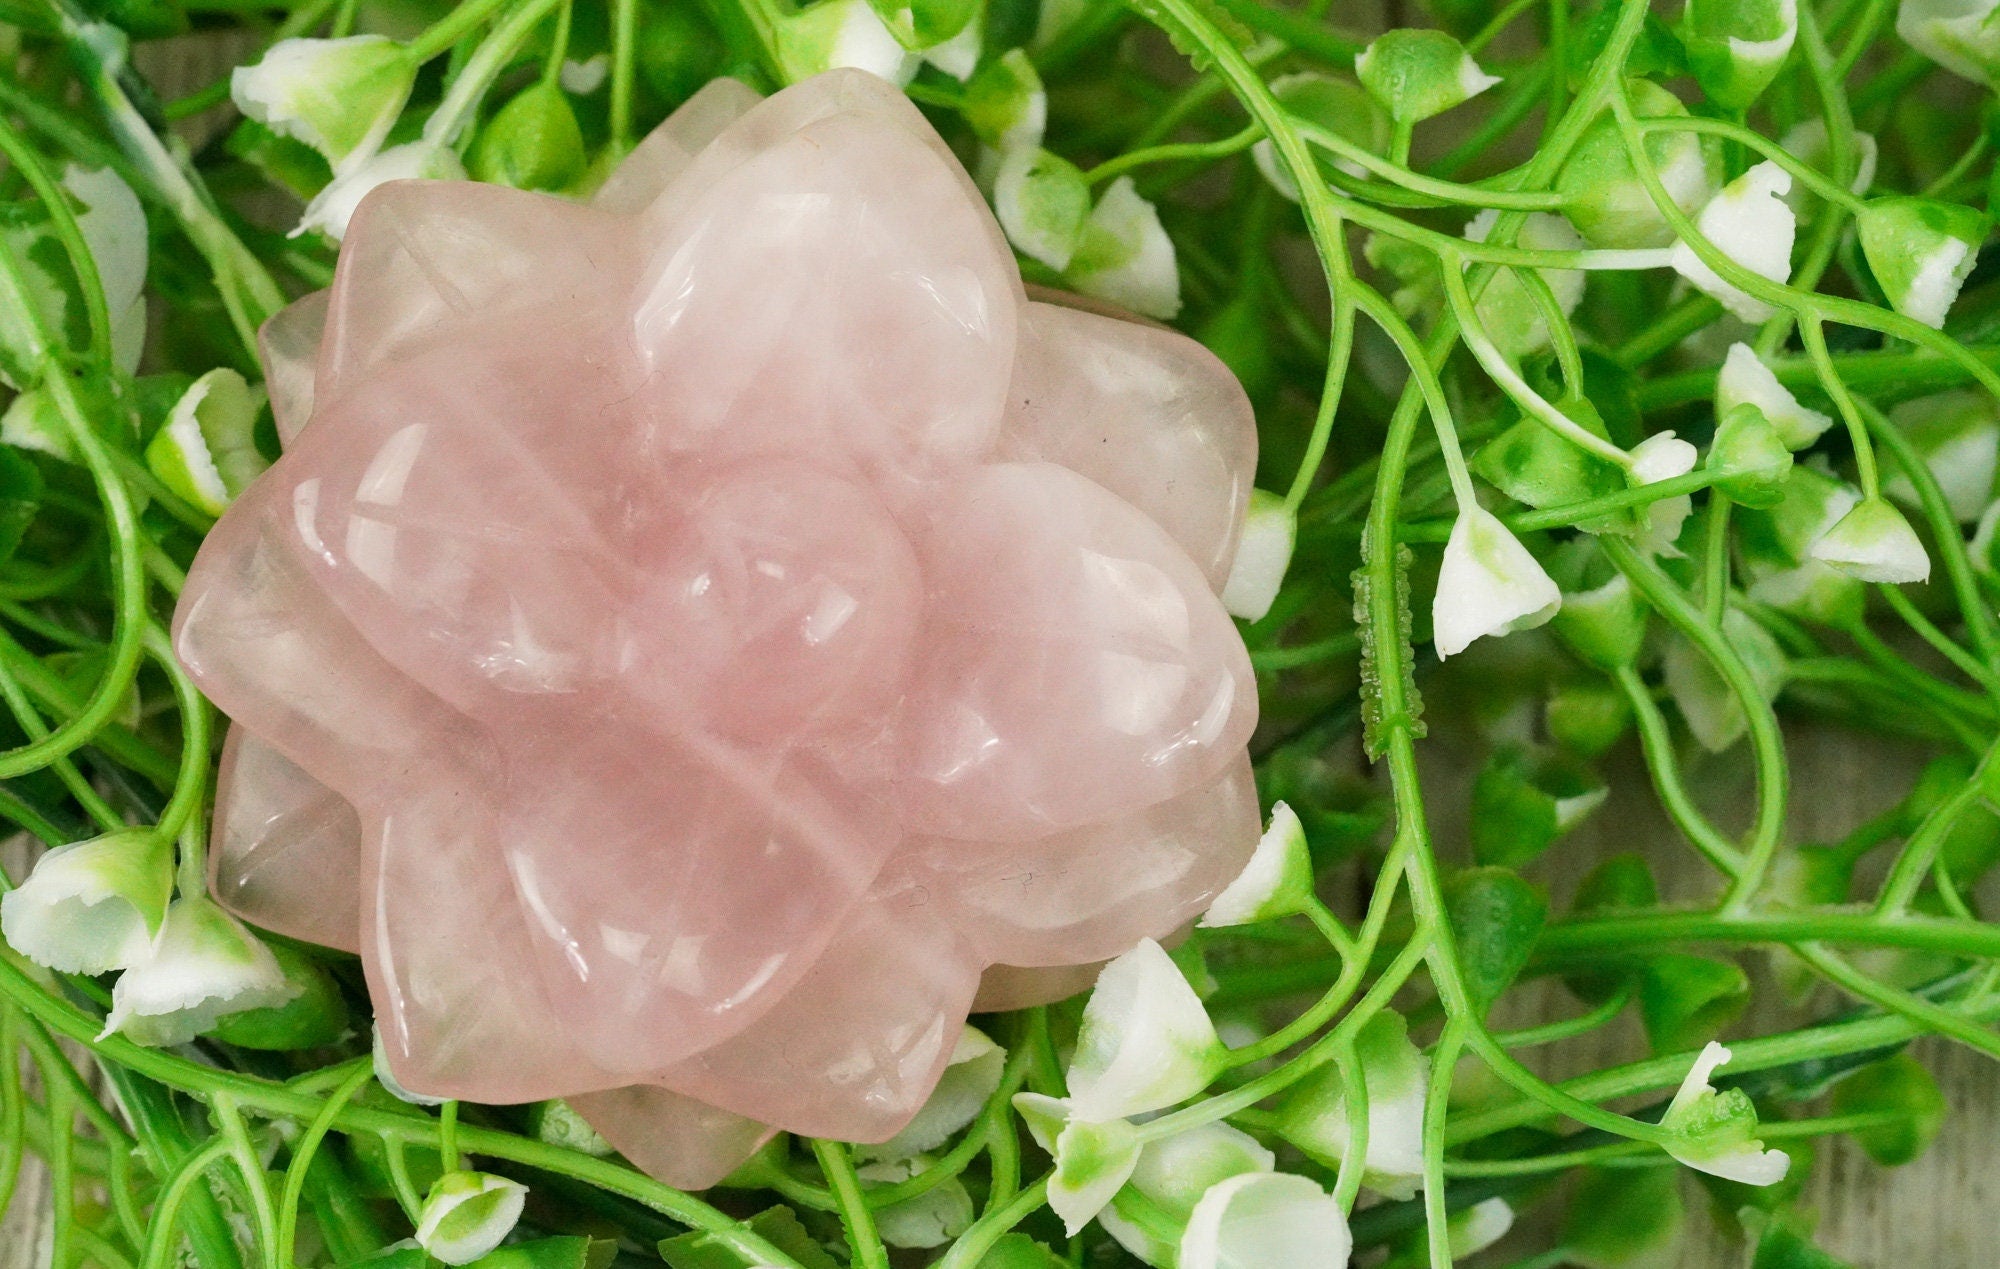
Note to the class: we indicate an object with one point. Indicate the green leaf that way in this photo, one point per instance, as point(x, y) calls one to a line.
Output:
point(1899, 1085)
point(1624, 1216)
point(779, 1226)
point(1686, 1000)
point(1496, 918)
point(1522, 802)
point(1587, 718)
point(1018, 1251)
point(1531, 464)
point(1622, 881)
point(1656, 54)
point(1783, 1246)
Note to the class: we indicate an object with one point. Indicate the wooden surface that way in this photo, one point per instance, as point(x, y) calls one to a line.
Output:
point(1941, 1212)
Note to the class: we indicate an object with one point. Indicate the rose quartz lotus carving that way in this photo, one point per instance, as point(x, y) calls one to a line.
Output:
point(691, 638)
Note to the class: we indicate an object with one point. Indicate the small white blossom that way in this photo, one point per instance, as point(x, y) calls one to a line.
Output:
point(467, 1214)
point(1664, 456)
point(1958, 35)
point(203, 964)
point(93, 906)
point(1277, 882)
point(1489, 585)
point(1042, 202)
point(1418, 73)
point(205, 452)
point(841, 33)
point(1397, 1076)
point(1093, 1158)
point(1260, 1220)
point(1874, 543)
point(585, 77)
point(931, 1219)
point(113, 225)
point(1262, 555)
point(1704, 697)
point(1921, 251)
point(1125, 255)
point(1145, 1043)
point(1750, 223)
point(1717, 1131)
point(1746, 380)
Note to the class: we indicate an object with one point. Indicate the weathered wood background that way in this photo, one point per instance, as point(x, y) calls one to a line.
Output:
point(1940, 1212)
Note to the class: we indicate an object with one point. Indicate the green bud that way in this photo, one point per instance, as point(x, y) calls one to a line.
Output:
point(1042, 202)
point(1604, 626)
point(1604, 197)
point(678, 50)
point(1897, 1085)
point(467, 1214)
point(1341, 812)
point(1339, 106)
point(557, 1123)
point(1737, 47)
point(1276, 882)
point(1921, 251)
point(1716, 1132)
point(1586, 719)
point(1687, 1000)
point(1496, 918)
point(1750, 458)
point(1813, 592)
point(1005, 103)
point(315, 1017)
point(532, 143)
point(1416, 74)
point(1874, 543)
point(1522, 802)
point(923, 24)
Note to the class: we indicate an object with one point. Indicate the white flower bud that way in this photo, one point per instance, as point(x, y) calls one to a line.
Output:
point(932, 1218)
point(1006, 104)
point(1262, 555)
point(841, 33)
point(203, 964)
point(1717, 1131)
point(93, 906)
point(1339, 106)
point(1737, 47)
point(1874, 543)
point(1750, 223)
point(1704, 697)
point(1266, 1219)
point(334, 206)
point(1959, 35)
point(1145, 1043)
point(467, 1214)
point(1920, 251)
point(1489, 585)
point(1313, 1116)
point(113, 225)
point(340, 97)
point(1511, 317)
point(1150, 1213)
point(1746, 380)
point(1277, 882)
point(1125, 255)
point(1418, 73)
point(1093, 1158)
point(1808, 142)
point(1663, 456)
point(1474, 1229)
point(205, 451)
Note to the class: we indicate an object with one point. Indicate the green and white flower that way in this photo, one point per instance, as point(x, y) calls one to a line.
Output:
point(1125, 255)
point(1602, 193)
point(1663, 456)
point(1277, 882)
point(1921, 251)
point(1262, 1219)
point(1746, 380)
point(1149, 1215)
point(1605, 625)
point(1042, 202)
point(202, 964)
point(1737, 47)
point(113, 225)
point(1489, 585)
point(1749, 458)
point(841, 33)
point(94, 906)
point(1337, 106)
point(1959, 35)
point(1474, 1229)
point(1093, 1158)
point(931, 1219)
point(1716, 1132)
point(468, 1214)
point(1313, 1115)
point(1262, 555)
point(1750, 223)
point(1418, 73)
point(205, 452)
point(1005, 103)
point(1145, 1042)
point(556, 1122)
point(340, 97)
point(1808, 142)
point(1873, 542)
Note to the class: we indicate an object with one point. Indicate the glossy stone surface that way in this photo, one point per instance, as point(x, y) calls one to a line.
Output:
point(697, 645)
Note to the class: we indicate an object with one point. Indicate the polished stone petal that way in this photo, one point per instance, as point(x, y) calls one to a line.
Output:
point(672, 1138)
point(894, 345)
point(1090, 893)
point(285, 850)
point(289, 344)
point(1067, 638)
point(1147, 413)
point(670, 148)
point(693, 644)
point(859, 1046)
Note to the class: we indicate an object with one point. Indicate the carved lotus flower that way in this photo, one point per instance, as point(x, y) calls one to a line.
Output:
point(700, 645)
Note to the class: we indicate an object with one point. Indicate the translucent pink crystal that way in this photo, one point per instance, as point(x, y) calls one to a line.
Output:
point(699, 646)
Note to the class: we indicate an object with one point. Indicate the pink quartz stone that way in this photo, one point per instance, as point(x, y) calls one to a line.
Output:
point(700, 645)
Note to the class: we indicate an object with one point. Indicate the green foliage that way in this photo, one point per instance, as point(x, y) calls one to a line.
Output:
point(1496, 918)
